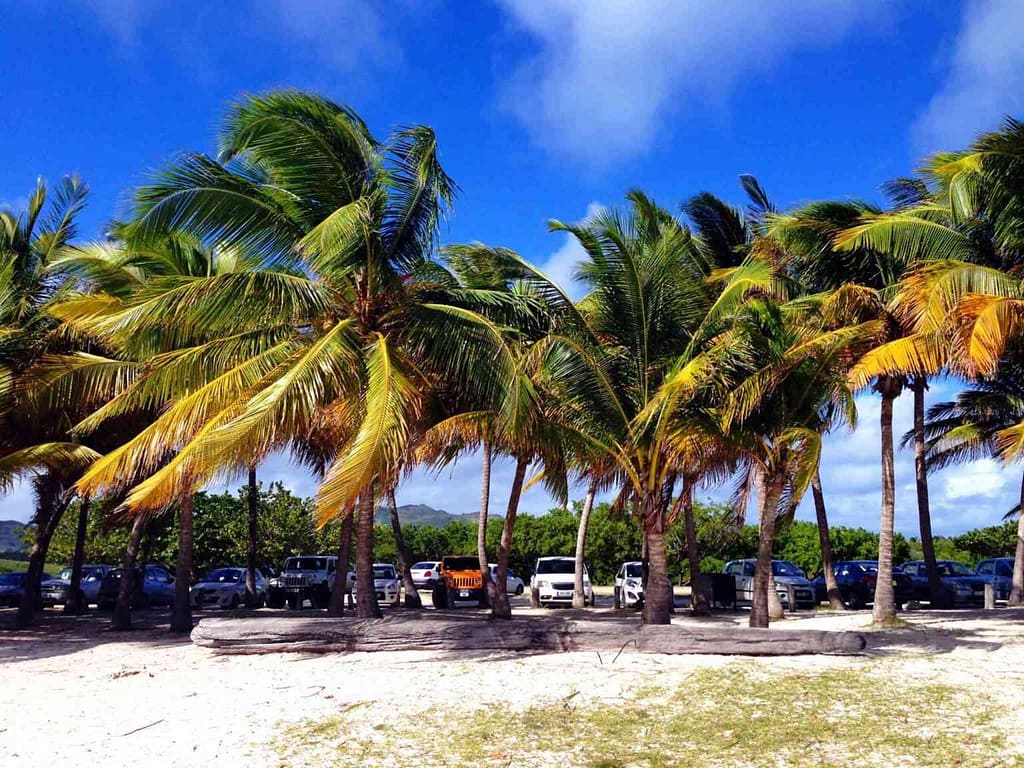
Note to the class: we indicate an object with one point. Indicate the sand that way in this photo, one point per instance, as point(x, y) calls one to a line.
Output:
point(72, 693)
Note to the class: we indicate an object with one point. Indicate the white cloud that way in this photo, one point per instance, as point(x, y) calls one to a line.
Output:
point(606, 74)
point(984, 479)
point(985, 80)
point(561, 265)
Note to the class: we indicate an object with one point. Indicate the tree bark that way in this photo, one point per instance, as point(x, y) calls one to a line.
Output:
point(412, 596)
point(500, 606)
point(657, 590)
point(338, 596)
point(885, 606)
point(1017, 582)
point(551, 633)
point(481, 527)
point(51, 509)
point(253, 499)
point(764, 591)
point(940, 598)
point(122, 618)
point(835, 599)
point(366, 595)
point(181, 615)
point(579, 597)
point(75, 603)
point(698, 600)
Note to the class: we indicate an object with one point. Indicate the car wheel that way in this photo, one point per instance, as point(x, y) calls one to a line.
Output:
point(439, 597)
point(294, 602)
point(854, 601)
point(275, 600)
point(234, 601)
point(519, 589)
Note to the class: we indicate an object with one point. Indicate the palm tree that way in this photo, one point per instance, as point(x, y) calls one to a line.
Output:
point(967, 429)
point(412, 595)
point(344, 311)
point(30, 243)
point(579, 597)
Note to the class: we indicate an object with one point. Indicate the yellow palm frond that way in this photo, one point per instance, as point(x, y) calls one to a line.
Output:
point(919, 353)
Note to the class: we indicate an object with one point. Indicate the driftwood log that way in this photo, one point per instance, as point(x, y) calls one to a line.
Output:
point(452, 632)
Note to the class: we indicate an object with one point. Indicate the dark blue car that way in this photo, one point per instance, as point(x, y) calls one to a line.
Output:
point(965, 587)
point(999, 571)
point(856, 580)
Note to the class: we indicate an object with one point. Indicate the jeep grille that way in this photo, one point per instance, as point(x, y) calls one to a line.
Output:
point(466, 582)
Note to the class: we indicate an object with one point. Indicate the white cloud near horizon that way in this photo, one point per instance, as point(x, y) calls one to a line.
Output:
point(984, 79)
point(606, 74)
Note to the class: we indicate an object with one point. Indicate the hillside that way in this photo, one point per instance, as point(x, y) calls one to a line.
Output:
point(421, 514)
point(11, 537)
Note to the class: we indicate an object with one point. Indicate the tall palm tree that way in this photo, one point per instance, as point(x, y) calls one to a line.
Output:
point(966, 429)
point(31, 241)
point(345, 310)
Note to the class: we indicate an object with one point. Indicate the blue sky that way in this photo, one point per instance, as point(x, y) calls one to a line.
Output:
point(543, 109)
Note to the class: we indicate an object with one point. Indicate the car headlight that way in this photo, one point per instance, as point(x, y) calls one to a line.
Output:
point(543, 584)
point(634, 583)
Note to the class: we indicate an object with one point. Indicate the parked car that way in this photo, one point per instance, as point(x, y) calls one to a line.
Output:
point(12, 586)
point(460, 580)
point(225, 588)
point(629, 584)
point(55, 591)
point(303, 577)
point(154, 586)
point(785, 573)
point(385, 583)
point(425, 575)
point(554, 581)
point(965, 586)
point(998, 571)
point(513, 584)
point(856, 580)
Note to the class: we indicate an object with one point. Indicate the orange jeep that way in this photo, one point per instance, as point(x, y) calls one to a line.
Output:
point(460, 579)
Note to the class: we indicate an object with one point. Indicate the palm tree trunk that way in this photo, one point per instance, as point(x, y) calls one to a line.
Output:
point(481, 527)
point(48, 516)
point(657, 591)
point(500, 607)
point(936, 590)
point(698, 600)
point(1017, 582)
point(579, 597)
point(253, 500)
point(181, 616)
point(122, 618)
point(835, 599)
point(885, 606)
point(75, 604)
point(412, 595)
point(336, 607)
point(761, 608)
point(366, 595)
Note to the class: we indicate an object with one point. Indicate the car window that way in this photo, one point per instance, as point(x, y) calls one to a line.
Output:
point(634, 571)
point(783, 568)
point(748, 569)
point(986, 567)
point(558, 565)
point(910, 569)
point(1003, 568)
point(384, 572)
point(423, 567)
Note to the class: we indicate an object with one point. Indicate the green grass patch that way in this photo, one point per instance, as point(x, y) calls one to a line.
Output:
point(20, 566)
point(738, 716)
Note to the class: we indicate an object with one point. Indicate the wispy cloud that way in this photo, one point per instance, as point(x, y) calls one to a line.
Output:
point(605, 74)
point(985, 78)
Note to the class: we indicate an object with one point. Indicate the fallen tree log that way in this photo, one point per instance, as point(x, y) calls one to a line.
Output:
point(450, 632)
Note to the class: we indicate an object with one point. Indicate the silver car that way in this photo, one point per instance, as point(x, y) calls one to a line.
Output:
point(786, 575)
point(225, 588)
point(55, 591)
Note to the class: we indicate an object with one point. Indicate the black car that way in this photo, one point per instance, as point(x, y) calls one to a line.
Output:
point(965, 587)
point(11, 588)
point(856, 580)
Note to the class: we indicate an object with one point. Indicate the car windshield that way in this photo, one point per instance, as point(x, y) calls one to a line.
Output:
point(558, 565)
point(466, 563)
point(11, 579)
point(782, 568)
point(305, 564)
point(423, 567)
point(384, 572)
point(65, 574)
point(954, 569)
point(224, 575)
point(634, 570)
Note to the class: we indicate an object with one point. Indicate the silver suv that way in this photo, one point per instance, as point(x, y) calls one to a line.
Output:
point(303, 577)
point(785, 573)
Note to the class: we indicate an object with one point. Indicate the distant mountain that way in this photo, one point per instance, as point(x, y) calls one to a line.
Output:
point(11, 537)
point(421, 514)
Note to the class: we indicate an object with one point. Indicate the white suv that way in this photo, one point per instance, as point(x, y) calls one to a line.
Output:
point(629, 584)
point(553, 581)
point(385, 583)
